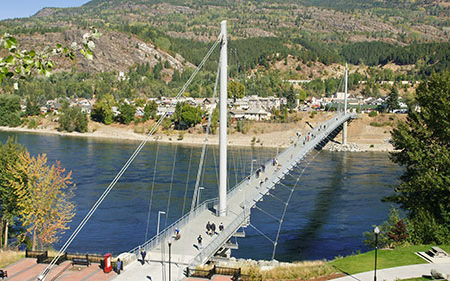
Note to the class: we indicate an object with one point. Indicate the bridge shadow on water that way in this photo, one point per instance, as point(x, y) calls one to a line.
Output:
point(328, 194)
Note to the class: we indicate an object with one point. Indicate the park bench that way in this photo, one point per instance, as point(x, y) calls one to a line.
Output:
point(81, 261)
point(3, 274)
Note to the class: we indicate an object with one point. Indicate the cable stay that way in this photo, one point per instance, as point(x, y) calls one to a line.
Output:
point(286, 206)
point(276, 197)
point(102, 197)
point(171, 184)
point(262, 233)
point(202, 157)
point(187, 182)
point(151, 192)
point(267, 213)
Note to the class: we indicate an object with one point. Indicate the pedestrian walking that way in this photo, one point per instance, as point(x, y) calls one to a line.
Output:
point(118, 266)
point(221, 227)
point(208, 228)
point(263, 167)
point(143, 254)
point(177, 233)
point(213, 228)
point(199, 241)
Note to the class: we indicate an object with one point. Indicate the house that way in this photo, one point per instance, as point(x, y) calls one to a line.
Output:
point(253, 113)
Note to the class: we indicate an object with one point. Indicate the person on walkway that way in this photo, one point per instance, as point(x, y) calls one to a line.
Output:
point(143, 254)
point(213, 228)
point(118, 266)
point(221, 227)
point(177, 234)
point(208, 228)
point(263, 168)
point(199, 241)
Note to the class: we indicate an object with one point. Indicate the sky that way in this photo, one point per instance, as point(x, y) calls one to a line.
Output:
point(26, 8)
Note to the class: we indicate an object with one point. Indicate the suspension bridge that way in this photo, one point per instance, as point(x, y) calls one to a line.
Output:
point(169, 256)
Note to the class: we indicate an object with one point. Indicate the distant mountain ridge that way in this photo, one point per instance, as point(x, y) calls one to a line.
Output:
point(163, 24)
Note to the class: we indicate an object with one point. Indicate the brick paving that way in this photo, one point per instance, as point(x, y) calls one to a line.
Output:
point(28, 270)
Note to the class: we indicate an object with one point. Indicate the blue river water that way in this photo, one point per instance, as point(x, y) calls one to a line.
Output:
point(337, 198)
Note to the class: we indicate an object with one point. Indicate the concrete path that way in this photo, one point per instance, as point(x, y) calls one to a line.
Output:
point(401, 272)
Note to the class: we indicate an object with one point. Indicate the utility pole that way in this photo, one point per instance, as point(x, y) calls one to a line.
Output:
point(223, 121)
point(344, 129)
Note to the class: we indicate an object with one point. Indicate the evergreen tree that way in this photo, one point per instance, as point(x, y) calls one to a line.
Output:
point(32, 107)
point(150, 110)
point(127, 112)
point(392, 100)
point(423, 149)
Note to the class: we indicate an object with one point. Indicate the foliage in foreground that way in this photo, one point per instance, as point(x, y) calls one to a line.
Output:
point(34, 195)
point(423, 144)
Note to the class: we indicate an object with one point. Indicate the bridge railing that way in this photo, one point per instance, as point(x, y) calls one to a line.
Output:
point(221, 239)
point(169, 231)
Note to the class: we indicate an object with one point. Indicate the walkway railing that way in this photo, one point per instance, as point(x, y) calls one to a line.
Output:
point(221, 239)
point(169, 231)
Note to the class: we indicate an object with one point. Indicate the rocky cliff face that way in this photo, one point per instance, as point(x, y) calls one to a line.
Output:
point(114, 51)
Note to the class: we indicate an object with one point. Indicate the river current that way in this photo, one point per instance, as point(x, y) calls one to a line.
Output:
point(337, 198)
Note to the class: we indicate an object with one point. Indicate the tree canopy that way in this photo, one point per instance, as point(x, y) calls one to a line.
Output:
point(423, 149)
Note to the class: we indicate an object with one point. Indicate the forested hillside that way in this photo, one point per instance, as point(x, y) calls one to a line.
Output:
point(269, 41)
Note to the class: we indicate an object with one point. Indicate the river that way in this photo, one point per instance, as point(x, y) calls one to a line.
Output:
point(337, 198)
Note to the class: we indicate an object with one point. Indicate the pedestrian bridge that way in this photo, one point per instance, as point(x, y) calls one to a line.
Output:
point(185, 252)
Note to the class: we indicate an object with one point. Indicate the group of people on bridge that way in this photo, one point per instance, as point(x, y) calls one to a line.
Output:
point(210, 230)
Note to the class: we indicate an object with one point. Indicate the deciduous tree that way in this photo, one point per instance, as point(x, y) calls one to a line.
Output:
point(9, 155)
point(43, 198)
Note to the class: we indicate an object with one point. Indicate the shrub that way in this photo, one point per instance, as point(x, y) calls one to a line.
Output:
point(73, 119)
point(32, 123)
point(373, 113)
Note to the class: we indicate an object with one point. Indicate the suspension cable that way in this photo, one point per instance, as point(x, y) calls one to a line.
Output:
point(286, 206)
point(171, 184)
point(69, 241)
point(151, 192)
point(187, 182)
point(202, 157)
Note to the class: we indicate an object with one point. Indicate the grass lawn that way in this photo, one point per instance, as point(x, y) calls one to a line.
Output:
point(417, 279)
point(386, 259)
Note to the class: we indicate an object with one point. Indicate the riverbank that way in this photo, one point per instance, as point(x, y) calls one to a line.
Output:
point(364, 134)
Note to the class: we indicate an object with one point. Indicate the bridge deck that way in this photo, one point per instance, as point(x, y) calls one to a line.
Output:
point(240, 199)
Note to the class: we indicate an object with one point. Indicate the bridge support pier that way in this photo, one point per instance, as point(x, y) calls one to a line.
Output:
point(344, 133)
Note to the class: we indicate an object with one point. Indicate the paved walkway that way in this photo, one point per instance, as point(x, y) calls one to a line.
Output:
point(401, 272)
point(28, 270)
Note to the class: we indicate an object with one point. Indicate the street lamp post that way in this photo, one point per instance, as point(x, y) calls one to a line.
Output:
point(170, 270)
point(198, 194)
point(159, 219)
point(376, 230)
point(251, 169)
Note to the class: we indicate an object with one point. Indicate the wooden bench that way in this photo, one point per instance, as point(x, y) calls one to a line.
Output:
point(81, 261)
point(3, 274)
